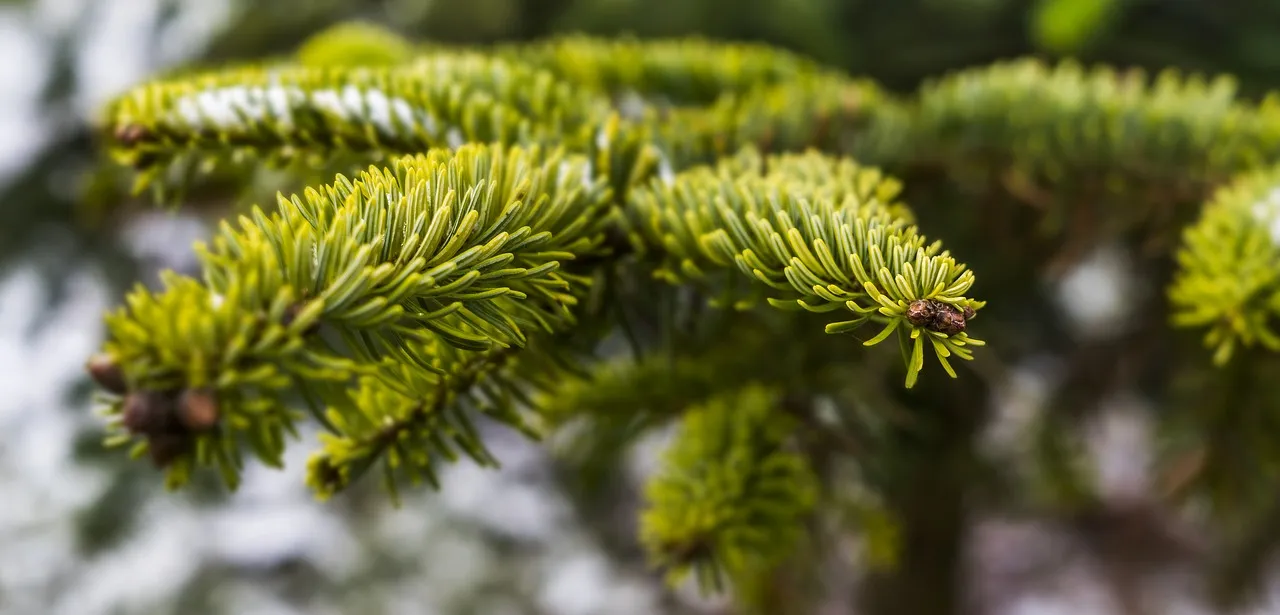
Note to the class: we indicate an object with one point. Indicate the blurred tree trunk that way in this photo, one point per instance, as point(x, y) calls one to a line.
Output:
point(927, 497)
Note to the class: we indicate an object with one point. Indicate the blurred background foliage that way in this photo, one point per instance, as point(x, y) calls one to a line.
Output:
point(58, 212)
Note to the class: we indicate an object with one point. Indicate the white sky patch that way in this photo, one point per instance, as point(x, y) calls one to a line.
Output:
point(114, 51)
point(1267, 212)
point(1098, 294)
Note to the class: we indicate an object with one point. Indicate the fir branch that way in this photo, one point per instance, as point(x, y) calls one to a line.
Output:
point(824, 111)
point(456, 247)
point(824, 234)
point(330, 112)
point(244, 361)
point(730, 497)
point(1227, 281)
point(390, 277)
point(686, 71)
point(437, 233)
point(1061, 123)
point(406, 419)
point(275, 114)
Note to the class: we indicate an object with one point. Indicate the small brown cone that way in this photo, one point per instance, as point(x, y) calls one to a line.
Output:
point(147, 412)
point(921, 312)
point(198, 409)
point(949, 320)
point(107, 373)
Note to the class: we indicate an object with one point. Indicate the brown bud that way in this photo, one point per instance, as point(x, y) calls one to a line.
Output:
point(198, 409)
point(949, 320)
point(166, 447)
point(921, 312)
point(149, 412)
point(969, 313)
point(106, 372)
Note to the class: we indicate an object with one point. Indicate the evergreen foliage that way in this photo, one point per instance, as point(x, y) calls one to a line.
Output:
point(459, 248)
point(486, 202)
point(273, 114)
point(1064, 122)
point(816, 227)
point(677, 72)
point(731, 497)
point(1227, 280)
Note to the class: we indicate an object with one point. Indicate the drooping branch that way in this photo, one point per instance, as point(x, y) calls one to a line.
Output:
point(824, 234)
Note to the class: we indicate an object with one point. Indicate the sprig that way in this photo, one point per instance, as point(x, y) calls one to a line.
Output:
point(730, 497)
point(824, 234)
point(1227, 280)
point(274, 114)
point(410, 420)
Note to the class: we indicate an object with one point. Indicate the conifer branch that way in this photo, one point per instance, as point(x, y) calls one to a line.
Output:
point(408, 281)
point(823, 111)
point(824, 234)
point(1062, 122)
point(409, 419)
point(274, 114)
point(441, 285)
point(461, 248)
point(325, 107)
point(686, 71)
point(1227, 280)
point(730, 497)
